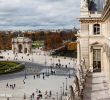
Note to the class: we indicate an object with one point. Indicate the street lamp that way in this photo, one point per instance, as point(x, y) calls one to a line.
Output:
point(51, 64)
point(63, 89)
point(25, 70)
point(45, 64)
point(59, 61)
point(66, 83)
point(69, 70)
point(57, 95)
point(48, 70)
point(53, 60)
point(61, 92)
point(32, 56)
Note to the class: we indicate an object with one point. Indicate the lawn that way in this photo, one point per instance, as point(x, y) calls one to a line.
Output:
point(10, 67)
point(37, 44)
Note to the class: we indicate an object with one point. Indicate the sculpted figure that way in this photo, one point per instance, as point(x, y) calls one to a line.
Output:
point(84, 3)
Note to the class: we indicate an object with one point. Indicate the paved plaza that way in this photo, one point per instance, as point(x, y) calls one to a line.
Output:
point(37, 62)
point(51, 83)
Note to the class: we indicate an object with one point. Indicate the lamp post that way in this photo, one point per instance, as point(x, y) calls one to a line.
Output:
point(32, 56)
point(53, 60)
point(25, 71)
point(63, 89)
point(51, 64)
point(59, 61)
point(61, 92)
point(66, 83)
point(57, 95)
point(69, 70)
point(45, 63)
point(48, 70)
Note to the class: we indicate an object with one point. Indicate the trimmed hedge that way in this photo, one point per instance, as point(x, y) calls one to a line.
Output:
point(10, 67)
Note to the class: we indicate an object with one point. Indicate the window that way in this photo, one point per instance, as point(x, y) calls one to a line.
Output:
point(96, 29)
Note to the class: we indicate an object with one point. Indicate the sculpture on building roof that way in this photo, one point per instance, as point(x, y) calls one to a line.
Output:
point(84, 4)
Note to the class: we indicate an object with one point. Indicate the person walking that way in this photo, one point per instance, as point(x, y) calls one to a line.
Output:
point(7, 85)
point(50, 93)
point(34, 77)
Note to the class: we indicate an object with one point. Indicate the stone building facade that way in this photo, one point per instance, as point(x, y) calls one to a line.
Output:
point(94, 37)
point(21, 45)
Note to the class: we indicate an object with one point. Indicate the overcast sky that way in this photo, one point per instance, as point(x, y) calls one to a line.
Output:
point(34, 14)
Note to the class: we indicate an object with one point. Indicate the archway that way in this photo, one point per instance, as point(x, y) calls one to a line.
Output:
point(20, 48)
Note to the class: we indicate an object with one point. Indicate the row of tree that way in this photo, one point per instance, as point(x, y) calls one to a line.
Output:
point(51, 40)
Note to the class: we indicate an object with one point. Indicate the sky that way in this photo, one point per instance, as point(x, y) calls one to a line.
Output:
point(38, 14)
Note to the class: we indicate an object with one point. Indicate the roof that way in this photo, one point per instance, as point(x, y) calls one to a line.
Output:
point(96, 5)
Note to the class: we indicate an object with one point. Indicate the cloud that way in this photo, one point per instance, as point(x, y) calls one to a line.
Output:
point(35, 14)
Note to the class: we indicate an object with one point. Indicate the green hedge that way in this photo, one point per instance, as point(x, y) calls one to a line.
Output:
point(10, 67)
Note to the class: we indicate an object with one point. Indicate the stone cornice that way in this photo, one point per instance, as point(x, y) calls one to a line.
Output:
point(91, 36)
point(90, 20)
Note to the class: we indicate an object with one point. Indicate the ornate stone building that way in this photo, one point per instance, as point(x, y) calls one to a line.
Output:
point(21, 45)
point(94, 37)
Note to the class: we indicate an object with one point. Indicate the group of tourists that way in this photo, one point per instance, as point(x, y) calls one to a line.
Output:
point(39, 95)
point(11, 86)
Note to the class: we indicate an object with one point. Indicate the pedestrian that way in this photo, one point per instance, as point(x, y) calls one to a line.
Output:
point(46, 92)
point(24, 81)
point(50, 93)
point(10, 86)
point(7, 98)
point(38, 98)
point(14, 85)
point(36, 90)
point(43, 77)
point(34, 77)
point(31, 97)
point(54, 72)
point(33, 94)
point(39, 75)
point(39, 91)
point(24, 96)
point(7, 85)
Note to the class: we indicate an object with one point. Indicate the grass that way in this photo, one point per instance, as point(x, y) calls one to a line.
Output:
point(10, 67)
point(37, 44)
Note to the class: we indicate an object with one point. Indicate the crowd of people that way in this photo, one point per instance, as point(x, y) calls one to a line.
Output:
point(37, 95)
point(11, 86)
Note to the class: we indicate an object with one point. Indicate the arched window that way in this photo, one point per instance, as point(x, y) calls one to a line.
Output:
point(96, 29)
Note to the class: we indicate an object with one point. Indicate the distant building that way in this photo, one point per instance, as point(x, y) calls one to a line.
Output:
point(21, 45)
point(94, 37)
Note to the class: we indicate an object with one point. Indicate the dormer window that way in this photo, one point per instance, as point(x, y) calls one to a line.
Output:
point(96, 29)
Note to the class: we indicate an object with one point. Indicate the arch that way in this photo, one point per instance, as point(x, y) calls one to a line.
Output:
point(20, 47)
point(96, 29)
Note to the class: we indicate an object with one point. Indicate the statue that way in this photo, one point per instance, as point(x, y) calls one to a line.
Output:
point(77, 88)
point(71, 93)
point(84, 4)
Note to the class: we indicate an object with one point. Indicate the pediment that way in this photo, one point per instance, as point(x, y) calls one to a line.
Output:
point(96, 44)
